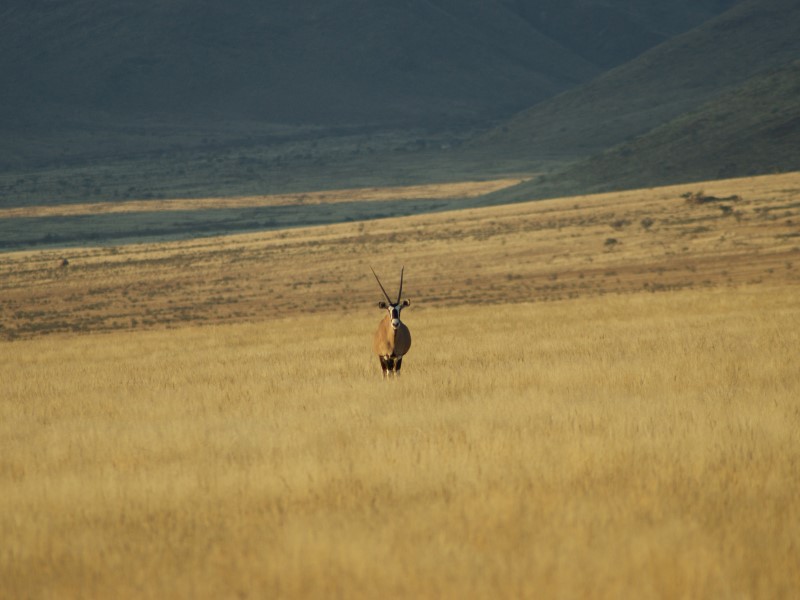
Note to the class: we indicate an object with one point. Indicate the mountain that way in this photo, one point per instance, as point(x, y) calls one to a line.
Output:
point(608, 33)
point(661, 84)
point(312, 62)
point(87, 78)
point(752, 129)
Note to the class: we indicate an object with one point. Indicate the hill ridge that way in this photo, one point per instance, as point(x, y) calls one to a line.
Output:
point(659, 85)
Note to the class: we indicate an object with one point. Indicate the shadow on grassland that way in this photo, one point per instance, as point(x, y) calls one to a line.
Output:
point(127, 228)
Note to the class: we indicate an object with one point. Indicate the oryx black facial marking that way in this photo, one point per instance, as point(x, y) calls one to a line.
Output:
point(394, 311)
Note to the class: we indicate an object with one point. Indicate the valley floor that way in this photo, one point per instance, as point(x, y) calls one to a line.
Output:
point(747, 232)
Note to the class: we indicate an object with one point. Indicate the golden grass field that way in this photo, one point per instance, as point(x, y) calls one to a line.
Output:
point(576, 417)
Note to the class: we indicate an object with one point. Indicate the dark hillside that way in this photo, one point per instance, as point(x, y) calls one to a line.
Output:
point(90, 79)
point(753, 129)
point(612, 32)
point(660, 85)
point(316, 62)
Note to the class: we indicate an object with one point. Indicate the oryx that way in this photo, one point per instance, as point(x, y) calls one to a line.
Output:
point(393, 339)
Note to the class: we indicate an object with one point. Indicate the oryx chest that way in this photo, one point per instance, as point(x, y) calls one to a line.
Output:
point(391, 342)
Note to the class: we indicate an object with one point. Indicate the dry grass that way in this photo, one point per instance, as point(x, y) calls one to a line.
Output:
point(220, 428)
point(635, 446)
point(534, 251)
point(438, 191)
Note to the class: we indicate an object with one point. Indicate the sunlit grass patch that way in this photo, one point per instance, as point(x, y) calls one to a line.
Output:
point(639, 445)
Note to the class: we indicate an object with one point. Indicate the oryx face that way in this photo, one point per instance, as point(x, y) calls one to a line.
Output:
point(395, 307)
point(394, 311)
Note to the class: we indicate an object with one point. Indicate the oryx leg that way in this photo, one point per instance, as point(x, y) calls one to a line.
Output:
point(384, 366)
point(398, 362)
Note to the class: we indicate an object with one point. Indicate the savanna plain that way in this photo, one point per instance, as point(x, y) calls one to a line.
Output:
point(601, 400)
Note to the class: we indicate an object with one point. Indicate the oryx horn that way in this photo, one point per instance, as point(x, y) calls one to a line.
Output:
point(380, 284)
point(400, 293)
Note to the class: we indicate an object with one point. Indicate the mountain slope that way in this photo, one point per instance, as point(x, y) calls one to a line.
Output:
point(88, 78)
point(753, 129)
point(611, 32)
point(663, 83)
point(331, 61)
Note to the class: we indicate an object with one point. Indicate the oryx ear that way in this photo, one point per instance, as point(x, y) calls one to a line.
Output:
point(406, 302)
point(382, 305)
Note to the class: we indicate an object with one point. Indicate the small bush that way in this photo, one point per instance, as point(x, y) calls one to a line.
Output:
point(700, 197)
